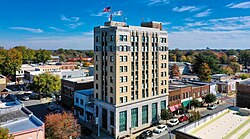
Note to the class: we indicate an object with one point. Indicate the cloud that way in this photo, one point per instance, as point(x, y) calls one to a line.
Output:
point(212, 39)
point(188, 19)
point(157, 2)
point(240, 23)
point(34, 30)
point(166, 23)
point(71, 22)
point(204, 13)
point(74, 25)
point(243, 5)
point(70, 19)
point(57, 29)
point(78, 42)
point(186, 8)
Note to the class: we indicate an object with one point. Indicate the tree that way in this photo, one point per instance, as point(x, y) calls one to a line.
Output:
point(235, 67)
point(12, 62)
point(195, 103)
point(194, 116)
point(204, 73)
point(244, 57)
point(210, 98)
point(174, 58)
point(223, 58)
point(190, 59)
point(183, 58)
point(206, 57)
point(4, 133)
point(46, 83)
point(228, 70)
point(174, 71)
point(232, 52)
point(61, 126)
point(42, 55)
point(244, 76)
point(166, 114)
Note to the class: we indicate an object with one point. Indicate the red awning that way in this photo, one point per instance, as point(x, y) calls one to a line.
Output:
point(175, 107)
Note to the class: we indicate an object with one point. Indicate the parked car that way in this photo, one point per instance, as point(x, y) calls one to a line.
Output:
point(212, 107)
point(25, 98)
point(34, 96)
point(51, 107)
point(51, 96)
point(173, 122)
point(159, 129)
point(183, 118)
point(145, 134)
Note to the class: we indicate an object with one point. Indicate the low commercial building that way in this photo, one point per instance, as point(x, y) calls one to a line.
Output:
point(70, 85)
point(84, 104)
point(21, 122)
point(243, 93)
point(181, 93)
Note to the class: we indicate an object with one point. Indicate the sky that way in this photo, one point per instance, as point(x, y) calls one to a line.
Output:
point(68, 24)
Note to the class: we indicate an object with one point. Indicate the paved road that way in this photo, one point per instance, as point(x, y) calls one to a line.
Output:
point(228, 101)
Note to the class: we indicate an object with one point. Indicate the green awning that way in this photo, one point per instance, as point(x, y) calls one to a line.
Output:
point(185, 103)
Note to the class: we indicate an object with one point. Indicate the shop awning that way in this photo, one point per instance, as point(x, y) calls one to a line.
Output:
point(185, 103)
point(175, 107)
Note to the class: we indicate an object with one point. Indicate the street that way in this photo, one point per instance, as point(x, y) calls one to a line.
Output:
point(227, 102)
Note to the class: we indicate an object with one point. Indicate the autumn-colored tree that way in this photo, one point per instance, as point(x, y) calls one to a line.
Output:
point(183, 58)
point(228, 70)
point(190, 59)
point(86, 64)
point(4, 133)
point(223, 58)
point(61, 126)
point(46, 83)
point(204, 72)
point(175, 71)
point(174, 58)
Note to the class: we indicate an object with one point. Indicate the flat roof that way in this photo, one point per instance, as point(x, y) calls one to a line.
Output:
point(81, 79)
point(22, 125)
point(86, 92)
point(247, 81)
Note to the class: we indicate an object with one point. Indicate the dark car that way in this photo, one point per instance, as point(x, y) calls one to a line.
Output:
point(34, 96)
point(25, 98)
point(183, 118)
point(145, 134)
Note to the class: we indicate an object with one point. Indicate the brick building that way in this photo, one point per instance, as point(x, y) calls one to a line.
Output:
point(69, 86)
point(243, 93)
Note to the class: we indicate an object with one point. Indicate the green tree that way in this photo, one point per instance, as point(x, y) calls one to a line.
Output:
point(174, 58)
point(235, 67)
point(194, 116)
point(244, 57)
point(166, 114)
point(190, 59)
point(12, 62)
point(175, 71)
point(228, 70)
point(30, 55)
point(232, 52)
point(206, 57)
point(195, 103)
point(42, 55)
point(46, 83)
point(210, 98)
point(4, 133)
point(244, 76)
point(223, 58)
point(204, 73)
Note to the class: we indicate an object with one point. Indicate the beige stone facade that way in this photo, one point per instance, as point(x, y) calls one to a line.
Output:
point(131, 71)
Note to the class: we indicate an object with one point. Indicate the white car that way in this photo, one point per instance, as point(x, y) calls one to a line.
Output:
point(212, 106)
point(160, 128)
point(173, 122)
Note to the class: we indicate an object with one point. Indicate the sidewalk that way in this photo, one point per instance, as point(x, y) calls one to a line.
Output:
point(94, 128)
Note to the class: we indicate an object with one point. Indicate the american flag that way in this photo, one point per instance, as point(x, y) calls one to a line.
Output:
point(107, 9)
